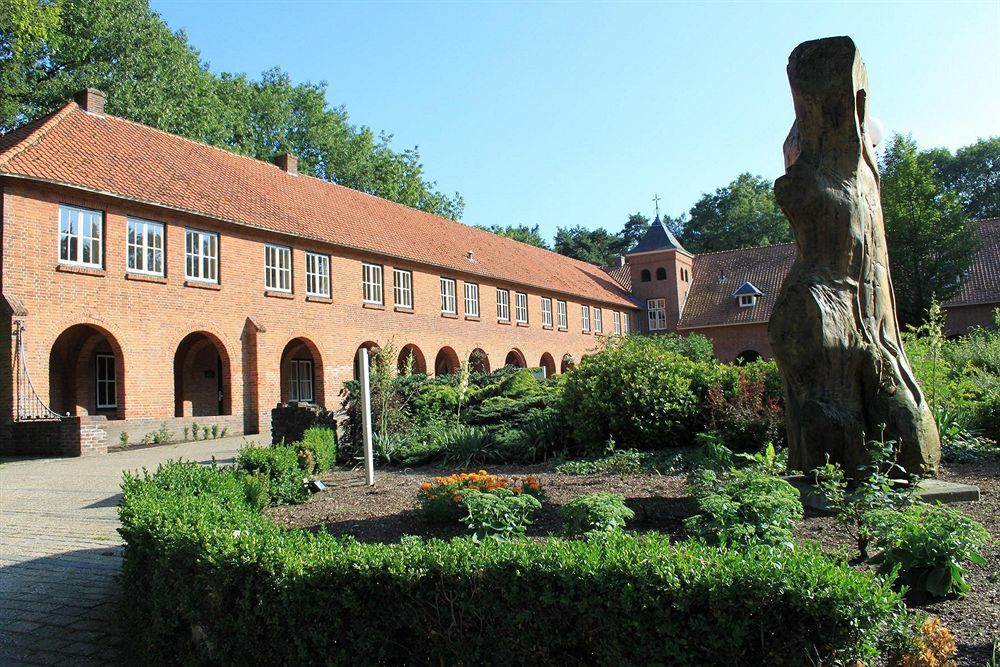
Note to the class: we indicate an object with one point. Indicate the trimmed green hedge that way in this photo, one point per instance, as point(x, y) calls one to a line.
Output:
point(209, 580)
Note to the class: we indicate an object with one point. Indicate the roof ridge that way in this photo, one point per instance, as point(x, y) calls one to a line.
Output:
point(45, 124)
point(755, 247)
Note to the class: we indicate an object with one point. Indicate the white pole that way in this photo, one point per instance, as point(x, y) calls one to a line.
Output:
point(366, 417)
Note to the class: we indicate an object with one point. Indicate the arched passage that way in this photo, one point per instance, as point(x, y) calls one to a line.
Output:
point(446, 362)
point(373, 349)
point(479, 361)
point(549, 364)
point(302, 373)
point(568, 363)
point(202, 380)
point(419, 363)
point(87, 373)
point(515, 358)
point(748, 356)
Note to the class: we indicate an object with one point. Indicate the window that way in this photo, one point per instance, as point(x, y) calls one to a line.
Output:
point(616, 322)
point(657, 314)
point(747, 300)
point(598, 320)
point(107, 383)
point(585, 318)
point(546, 312)
point(277, 268)
point(144, 247)
point(561, 311)
point(471, 300)
point(626, 323)
point(448, 304)
point(317, 274)
point(81, 232)
point(503, 305)
point(201, 252)
point(371, 283)
point(661, 273)
point(645, 276)
point(521, 308)
point(300, 380)
point(402, 288)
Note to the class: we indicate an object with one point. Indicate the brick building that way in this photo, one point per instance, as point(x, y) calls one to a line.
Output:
point(149, 279)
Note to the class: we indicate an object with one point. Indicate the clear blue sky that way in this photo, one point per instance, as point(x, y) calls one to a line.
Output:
point(566, 113)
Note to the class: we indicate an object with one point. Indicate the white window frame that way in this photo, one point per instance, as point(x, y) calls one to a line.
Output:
point(747, 300)
point(546, 311)
point(102, 364)
point(449, 303)
point(616, 322)
point(73, 227)
point(202, 258)
point(521, 307)
point(626, 323)
point(402, 288)
point(657, 311)
point(277, 268)
point(585, 318)
point(317, 274)
point(503, 305)
point(139, 250)
point(300, 377)
point(598, 320)
point(471, 300)
point(562, 311)
point(371, 283)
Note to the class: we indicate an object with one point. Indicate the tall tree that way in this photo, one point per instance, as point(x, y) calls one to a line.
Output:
point(741, 215)
point(635, 228)
point(596, 246)
point(931, 244)
point(522, 233)
point(49, 50)
point(974, 173)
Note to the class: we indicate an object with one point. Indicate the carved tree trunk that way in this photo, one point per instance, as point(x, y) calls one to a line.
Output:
point(834, 330)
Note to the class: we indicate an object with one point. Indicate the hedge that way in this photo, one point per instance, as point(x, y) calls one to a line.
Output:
point(209, 580)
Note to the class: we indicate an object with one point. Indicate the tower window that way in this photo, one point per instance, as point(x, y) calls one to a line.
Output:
point(645, 276)
point(661, 273)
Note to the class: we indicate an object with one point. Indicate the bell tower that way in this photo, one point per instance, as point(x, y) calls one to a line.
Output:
point(660, 269)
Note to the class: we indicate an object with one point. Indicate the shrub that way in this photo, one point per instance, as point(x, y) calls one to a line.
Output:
point(637, 392)
point(932, 645)
point(595, 512)
point(745, 508)
point(745, 418)
point(279, 464)
point(321, 443)
point(622, 461)
point(200, 563)
point(500, 515)
point(464, 445)
point(929, 545)
point(442, 499)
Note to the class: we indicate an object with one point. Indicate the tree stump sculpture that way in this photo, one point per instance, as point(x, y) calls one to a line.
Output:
point(834, 330)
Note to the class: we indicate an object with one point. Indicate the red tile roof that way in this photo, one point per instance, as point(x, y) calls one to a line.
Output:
point(983, 283)
point(621, 273)
point(124, 159)
point(710, 301)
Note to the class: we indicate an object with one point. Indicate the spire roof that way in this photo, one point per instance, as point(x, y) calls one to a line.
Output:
point(658, 237)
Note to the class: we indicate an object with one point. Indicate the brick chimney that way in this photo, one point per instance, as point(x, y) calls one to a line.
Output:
point(287, 162)
point(91, 100)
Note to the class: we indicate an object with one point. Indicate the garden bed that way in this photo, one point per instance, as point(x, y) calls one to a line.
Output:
point(387, 512)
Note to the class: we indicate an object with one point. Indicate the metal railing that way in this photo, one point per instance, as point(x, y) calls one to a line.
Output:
point(30, 406)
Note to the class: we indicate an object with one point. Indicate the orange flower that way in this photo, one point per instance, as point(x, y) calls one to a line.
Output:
point(457, 499)
point(426, 486)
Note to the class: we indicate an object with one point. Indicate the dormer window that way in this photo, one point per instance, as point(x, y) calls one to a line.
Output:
point(747, 295)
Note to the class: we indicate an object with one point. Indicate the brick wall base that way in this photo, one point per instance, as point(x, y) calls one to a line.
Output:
point(137, 429)
point(68, 436)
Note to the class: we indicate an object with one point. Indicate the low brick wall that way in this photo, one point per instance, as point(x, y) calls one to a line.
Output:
point(66, 436)
point(138, 429)
point(290, 420)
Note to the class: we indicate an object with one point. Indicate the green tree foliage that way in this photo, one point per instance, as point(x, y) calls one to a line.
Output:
point(635, 228)
point(931, 245)
point(741, 215)
point(597, 246)
point(974, 173)
point(522, 233)
point(49, 50)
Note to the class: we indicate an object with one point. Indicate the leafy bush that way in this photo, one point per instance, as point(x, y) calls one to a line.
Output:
point(932, 645)
point(961, 442)
point(443, 499)
point(622, 461)
point(637, 392)
point(745, 418)
point(278, 464)
point(929, 544)
point(321, 444)
point(745, 507)
point(207, 580)
point(465, 445)
point(595, 512)
point(500, 515)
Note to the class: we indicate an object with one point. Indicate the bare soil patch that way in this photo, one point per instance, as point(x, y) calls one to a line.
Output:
point(388, 511)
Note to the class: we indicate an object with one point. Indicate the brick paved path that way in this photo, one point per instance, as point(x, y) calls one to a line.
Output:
point(60, 552)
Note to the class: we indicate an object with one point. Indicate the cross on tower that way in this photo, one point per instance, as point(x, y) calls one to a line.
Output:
point(656, 202)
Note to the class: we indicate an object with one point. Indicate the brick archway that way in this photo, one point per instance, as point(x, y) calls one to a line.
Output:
point(419, 363)
point(549, 364)
point(479, 361)
point(202, 377)
point(446, 362)
point(515, 358)
point(301, 371)
point(87, 373)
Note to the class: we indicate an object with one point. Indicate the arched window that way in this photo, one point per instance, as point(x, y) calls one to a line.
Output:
point(661, 273)
point(645, 276)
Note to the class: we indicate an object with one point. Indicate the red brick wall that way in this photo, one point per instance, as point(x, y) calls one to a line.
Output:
point(673, 288)
point(148, 320)
point(730, 341)
point(960, 319)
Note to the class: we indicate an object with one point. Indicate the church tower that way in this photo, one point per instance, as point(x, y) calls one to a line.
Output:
point(660, 269)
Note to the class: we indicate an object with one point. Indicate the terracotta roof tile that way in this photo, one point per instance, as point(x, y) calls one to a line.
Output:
point(125, 159)
point(710, 301)
point(983, 283)
point(621, 273)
